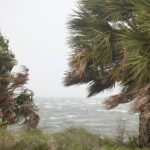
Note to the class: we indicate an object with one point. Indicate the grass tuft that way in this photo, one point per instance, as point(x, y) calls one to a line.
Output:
point(70, 139)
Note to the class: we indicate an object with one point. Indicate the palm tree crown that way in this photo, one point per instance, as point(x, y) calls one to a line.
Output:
point(110, 40)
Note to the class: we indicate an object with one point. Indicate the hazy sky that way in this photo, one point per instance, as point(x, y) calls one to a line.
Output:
point(37, 33)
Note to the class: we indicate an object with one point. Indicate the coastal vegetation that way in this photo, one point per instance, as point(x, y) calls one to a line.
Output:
point(16, 101)
point(110, 44)
point(70, 139)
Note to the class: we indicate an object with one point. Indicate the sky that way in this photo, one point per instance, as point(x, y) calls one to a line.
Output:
point(37, 34)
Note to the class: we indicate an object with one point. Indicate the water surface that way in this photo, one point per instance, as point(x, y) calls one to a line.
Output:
point(58, 114)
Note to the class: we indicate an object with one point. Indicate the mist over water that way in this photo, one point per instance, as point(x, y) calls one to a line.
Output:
point(58, 114)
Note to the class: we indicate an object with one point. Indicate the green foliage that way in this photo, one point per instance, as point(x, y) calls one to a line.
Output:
point(16, 102)
point(33, 140)
point(25, 108)
point(116, 34)
point(3, 124)
point(70, 139)
point(77, 138)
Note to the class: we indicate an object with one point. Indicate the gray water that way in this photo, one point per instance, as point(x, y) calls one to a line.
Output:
point(58, 114)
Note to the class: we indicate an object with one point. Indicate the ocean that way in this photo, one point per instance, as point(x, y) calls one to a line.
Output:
point(57, 114)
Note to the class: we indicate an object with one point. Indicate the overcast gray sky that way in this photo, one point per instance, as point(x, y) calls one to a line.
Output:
point(37, 33)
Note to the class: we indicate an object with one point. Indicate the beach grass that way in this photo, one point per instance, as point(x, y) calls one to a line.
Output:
point(70, 139)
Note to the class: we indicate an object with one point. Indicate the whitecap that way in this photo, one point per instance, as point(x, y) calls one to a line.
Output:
point(71, 116)
point(48, 106)
point(53, 118)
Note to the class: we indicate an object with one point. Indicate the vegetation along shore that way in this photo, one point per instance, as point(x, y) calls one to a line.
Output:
point(70, 139)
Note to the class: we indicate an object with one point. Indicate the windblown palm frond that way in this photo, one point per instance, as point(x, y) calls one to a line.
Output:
point(11, 86)
point(82, 70)
point(25, 109)
point(73, 77)
point(98, 85)
point(139, 96)
point(29, 112)
point(110, 42)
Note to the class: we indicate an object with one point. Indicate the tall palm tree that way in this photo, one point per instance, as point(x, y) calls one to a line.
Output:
point(16, 102)
point(110, 42)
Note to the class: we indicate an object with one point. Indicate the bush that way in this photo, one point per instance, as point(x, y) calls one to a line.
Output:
point(70, 139)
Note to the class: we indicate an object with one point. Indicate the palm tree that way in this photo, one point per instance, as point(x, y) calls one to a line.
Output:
point(16, 102)
point(110, 44)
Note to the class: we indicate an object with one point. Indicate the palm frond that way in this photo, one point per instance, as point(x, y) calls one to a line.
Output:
point(110, 43)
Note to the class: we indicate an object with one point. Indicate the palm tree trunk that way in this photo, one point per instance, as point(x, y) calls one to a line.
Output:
point(144, 129)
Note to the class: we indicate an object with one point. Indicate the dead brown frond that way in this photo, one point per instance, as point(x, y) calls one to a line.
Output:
point(6, 103)
point(73, 77)
point(140, 97)
point(19, 78)
point(115, 100)
point(142, 100)
point(9, 116)
point(99, 85)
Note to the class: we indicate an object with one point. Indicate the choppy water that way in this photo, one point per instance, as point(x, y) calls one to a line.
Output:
point(59, 113)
